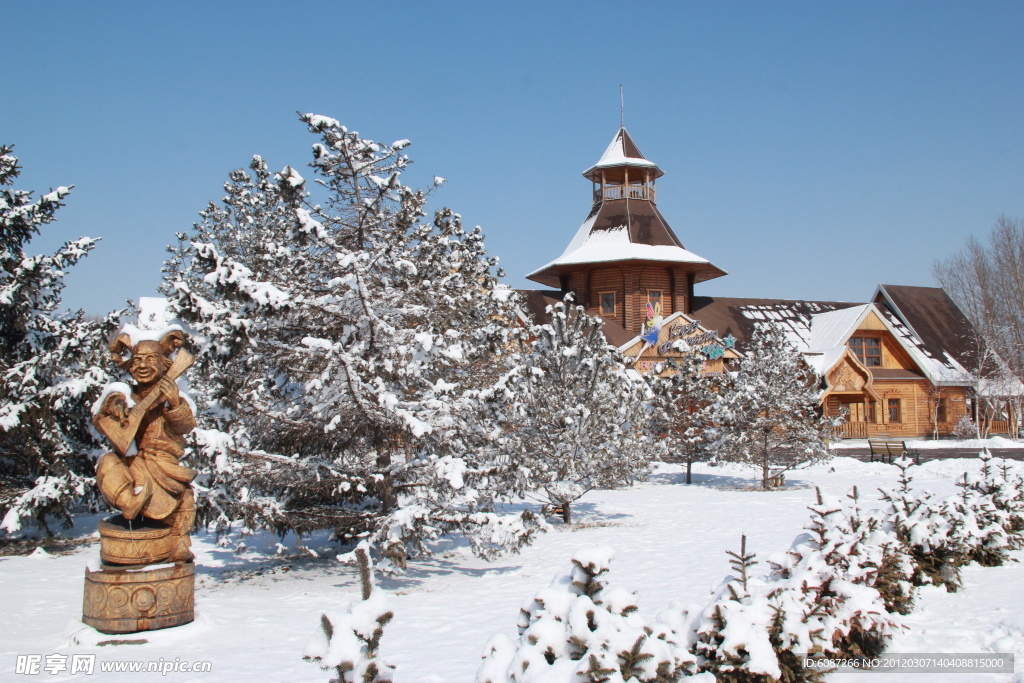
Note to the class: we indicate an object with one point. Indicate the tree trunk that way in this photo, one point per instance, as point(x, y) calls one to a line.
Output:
point(689, 464)
point(386, 488)
point(566, 514)
point(766, 471)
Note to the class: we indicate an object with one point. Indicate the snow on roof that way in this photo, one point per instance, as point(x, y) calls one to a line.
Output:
point(794, 325)
point(603, 246)
point(622, 152)
point(835, 327)
point(822, 337)
point(822, 361)
point(581, 235)
point(941, 371)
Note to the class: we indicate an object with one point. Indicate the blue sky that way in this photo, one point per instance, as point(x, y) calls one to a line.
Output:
point(810, 149)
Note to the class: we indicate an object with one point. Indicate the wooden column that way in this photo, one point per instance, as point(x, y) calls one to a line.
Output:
point(578, 287)
point(682, 291)
point(631, 279)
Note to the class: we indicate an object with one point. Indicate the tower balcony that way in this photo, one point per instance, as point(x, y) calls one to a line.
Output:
point(621, 191)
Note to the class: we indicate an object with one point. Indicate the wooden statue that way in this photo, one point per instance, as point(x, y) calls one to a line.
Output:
point(142, 478)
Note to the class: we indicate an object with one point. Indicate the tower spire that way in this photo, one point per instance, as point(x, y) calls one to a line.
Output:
point(622, 109)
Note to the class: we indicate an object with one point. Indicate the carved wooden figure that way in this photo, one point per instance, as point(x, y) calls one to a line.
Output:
point(142, 478)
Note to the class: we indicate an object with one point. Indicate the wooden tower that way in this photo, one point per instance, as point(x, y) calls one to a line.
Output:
point(625, 255)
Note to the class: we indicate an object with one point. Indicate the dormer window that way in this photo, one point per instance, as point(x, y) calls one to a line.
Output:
point(868, 350)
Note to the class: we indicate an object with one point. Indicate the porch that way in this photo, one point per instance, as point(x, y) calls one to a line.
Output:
point(868, 430)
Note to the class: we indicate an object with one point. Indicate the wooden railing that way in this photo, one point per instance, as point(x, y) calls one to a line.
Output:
point(852, 430)
point(626, 192)
point(999, 427)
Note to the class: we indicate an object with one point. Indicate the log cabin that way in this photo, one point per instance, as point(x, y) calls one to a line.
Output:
point(899, 365)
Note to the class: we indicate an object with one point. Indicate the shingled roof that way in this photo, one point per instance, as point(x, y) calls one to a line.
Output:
point(934, 319)
point(739, 316)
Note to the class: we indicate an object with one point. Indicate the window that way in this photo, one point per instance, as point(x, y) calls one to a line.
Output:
point(607, 303)
point(869, 412)
point(940, 410)
point(894, 410)
point(653, 297)
point(868, 350)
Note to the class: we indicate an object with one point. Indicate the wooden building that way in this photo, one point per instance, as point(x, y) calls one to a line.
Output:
point(899, 365)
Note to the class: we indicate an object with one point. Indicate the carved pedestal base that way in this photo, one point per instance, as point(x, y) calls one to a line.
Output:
point(131, 599)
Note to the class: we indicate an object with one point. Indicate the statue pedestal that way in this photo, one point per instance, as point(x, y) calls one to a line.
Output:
point(132, 591)
point(134, 542)
point(129, 599)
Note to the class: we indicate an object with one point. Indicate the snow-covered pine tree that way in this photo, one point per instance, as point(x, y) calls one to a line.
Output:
point(573, 418)
point(752, 629)
point(682, 404)
point(833, 569)
point(580, 630)
point(872, 554)
point(767, 412)
point(924, 526)
point(987, 513)
point(51, 364)
point(348, 640)
point(342, 340)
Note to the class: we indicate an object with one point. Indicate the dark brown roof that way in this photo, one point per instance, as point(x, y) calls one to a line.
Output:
point(934, 318)
point(536, 301)
point(646, 224)
point(725, 314)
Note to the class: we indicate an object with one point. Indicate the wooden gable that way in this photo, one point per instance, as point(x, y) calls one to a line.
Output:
point(848, 376)
point(894, 356)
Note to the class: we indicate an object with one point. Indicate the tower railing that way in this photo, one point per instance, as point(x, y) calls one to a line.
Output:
point(625, 192)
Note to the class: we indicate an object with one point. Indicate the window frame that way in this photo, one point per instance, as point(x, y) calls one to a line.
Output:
point(859, 346)
point(897, 404)
point(600, 302)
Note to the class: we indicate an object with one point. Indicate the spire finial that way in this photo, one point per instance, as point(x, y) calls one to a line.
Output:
point(622, 109)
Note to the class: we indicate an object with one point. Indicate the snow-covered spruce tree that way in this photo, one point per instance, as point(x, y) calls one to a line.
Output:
point(767, 413)
point(348, 640)
point(987, 514)
point(834, 567)
point(573, 418)
point(925, 527)
point(51, 365)
point(1004, 481)
point(341, 342)
point(682, 405)
point(752, 629)
point(870, 553)
point(580, 630)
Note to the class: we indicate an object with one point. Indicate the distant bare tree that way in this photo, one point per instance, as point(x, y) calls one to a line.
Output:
point(987, 283)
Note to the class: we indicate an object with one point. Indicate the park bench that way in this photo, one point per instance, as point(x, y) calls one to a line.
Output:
point(551, 509)
point(891, 448)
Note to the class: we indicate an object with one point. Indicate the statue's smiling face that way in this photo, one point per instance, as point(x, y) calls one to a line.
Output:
point(148, 364)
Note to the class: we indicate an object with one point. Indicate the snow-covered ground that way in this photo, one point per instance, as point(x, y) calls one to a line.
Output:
point(255, 612)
